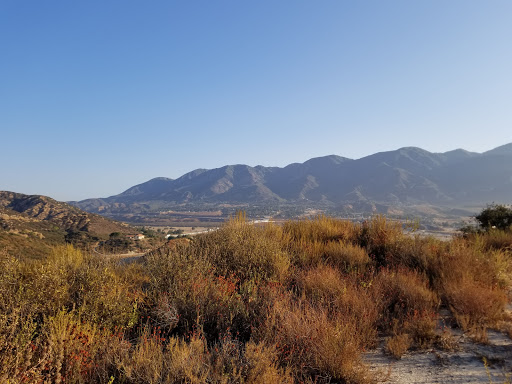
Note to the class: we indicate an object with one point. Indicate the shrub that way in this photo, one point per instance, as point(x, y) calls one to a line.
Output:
point(322, 229)
point(68, 344)
point(247, 251)
point(381, 237)
point(346, 256)
point(103, 295)
point(497, 240)
point(313, 343)
point(188, 361)
point(324, 240)
point(187, 292)
point(470, 260)
point(474, 305)
point(202, 300)
point(322, 285)
point(263, 365)
point(342, 296)
point(418, 254)
point(495, 216)
point(246, 304)
point(397, 345)
point(400, 296)
point(17, 347)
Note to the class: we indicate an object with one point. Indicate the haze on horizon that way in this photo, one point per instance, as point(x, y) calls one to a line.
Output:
point(96, 97)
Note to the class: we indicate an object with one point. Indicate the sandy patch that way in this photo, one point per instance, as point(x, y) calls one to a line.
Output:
point(466, 365)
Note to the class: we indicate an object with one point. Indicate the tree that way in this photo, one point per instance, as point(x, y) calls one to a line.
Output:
point(495, 216)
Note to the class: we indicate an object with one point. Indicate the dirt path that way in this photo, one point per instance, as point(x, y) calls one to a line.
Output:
point(123, 258)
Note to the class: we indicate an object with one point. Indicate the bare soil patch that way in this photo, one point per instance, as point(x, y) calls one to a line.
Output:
point(469, 362)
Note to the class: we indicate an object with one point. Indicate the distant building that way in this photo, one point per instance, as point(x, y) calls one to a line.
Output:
point(138, 236)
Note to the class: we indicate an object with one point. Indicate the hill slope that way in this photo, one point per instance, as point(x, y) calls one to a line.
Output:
point(30, 224)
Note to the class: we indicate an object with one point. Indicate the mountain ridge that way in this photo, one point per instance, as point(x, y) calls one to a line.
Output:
point(63, 215)
point(408, 175)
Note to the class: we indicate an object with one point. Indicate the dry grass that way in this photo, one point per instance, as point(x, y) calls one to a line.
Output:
point(322, 229)
point(446, 341)
point(246, 304)
point(402, 296)
point(475, 306)
point(342, 296)
point(497, 239)
point(313, 342)
point(247, 251)
point(346, 256)
point(397, 345)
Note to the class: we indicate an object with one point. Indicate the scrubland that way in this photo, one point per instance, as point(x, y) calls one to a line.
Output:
point(297, 303)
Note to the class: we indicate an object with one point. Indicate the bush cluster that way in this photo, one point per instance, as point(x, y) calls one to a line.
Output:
point(297, 303)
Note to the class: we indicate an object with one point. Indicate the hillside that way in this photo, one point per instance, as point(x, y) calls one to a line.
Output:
point(31, 224)
point(407, 176)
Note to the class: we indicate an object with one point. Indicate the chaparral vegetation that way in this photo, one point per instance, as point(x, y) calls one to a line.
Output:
point(297, 303)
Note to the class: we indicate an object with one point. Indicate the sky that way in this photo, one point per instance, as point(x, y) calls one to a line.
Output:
point(97, 96)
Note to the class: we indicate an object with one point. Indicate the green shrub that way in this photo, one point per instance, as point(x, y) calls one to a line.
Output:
point(495, 216)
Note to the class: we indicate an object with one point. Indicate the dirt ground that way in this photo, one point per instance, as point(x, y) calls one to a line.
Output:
point(470, 362)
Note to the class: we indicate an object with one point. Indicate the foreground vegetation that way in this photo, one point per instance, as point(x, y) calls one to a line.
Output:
point(297, 303)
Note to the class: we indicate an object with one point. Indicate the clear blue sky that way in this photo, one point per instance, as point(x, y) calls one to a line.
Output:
point(97, 96)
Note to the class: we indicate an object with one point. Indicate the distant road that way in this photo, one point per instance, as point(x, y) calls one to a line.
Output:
point(124, 258)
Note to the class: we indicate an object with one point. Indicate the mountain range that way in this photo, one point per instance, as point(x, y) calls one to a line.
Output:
point(406, 176)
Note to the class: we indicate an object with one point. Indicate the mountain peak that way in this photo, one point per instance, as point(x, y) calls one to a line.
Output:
point(324, 160)
point(412, 149)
